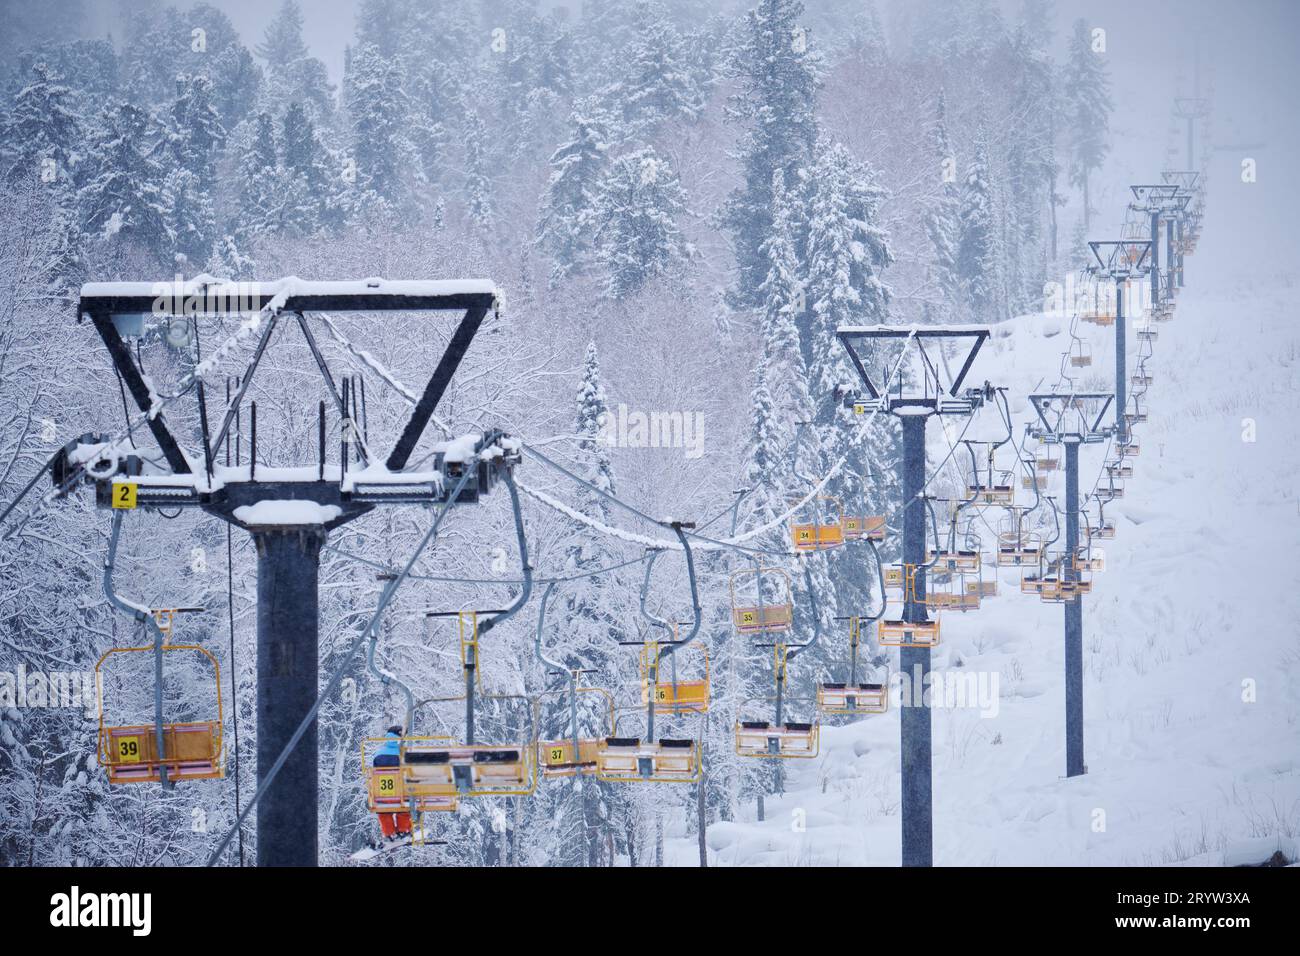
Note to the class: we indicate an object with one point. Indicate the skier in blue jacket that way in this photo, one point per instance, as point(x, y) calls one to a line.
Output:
point(394, 824)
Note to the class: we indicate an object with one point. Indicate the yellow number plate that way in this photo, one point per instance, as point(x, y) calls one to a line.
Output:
point(557, 755)
point(386, 784)
point(128, 749)
point(124, 494)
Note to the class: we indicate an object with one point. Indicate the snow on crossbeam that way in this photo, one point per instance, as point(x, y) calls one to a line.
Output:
point(204, 295)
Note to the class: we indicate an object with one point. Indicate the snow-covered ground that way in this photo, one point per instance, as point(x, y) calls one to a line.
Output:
point(1192, 663)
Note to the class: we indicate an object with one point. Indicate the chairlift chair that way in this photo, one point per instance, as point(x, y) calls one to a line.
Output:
point(752, 611)
point(852, 697)
point(565, 756)
point(818, 525)
point(900, 633)
point(673, 696)
point(191, 750)
point(1080, 354)
point(872, 527)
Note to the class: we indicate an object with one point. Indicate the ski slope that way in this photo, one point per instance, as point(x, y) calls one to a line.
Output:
point(1200, 597)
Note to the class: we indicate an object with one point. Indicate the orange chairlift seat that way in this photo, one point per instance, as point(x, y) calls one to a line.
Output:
point(673, 696)
point(574, 755)
point(191, 750)
point(761, 601)
point(818, 525)
point(853, 697)
point(781, 737)
point(896, 632)
point(1016, 546)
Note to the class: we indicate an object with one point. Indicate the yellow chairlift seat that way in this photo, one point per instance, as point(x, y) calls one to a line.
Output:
point(1089, 560)
point(1119, 468)
point(1033, 481)
point(1147, 333)
point(438, 769)
point(1000, 492)
point(632, 760)
point(1143, 379)
point(674, 697)
point(860, 698)
point(872, 527)
point(818, 525)
point(556, 758)
point(1115, 489)
point(749, 615)
point(960, 561)
point(907, 634)
point(1017, 548)
point(791, 739)
point(983, 588)
point(1047, 459)
point(1080, 354)
point(191, 750)
point(1104, 530)
point(387, 792)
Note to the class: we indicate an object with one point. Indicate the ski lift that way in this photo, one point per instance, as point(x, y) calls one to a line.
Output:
point(1080, 354)
point(998, 490)
point(854, 697)
point(632, 760)
point(666, 759)
point(1016, 546)
point(761, 601)
point(818, 525)
point(1142, 378)
point(1135, 414)
point(1147, 333)
point(575, 755)
point(673, 696)
point(161, 751)
point(782, 737)
point(1119, 468)
point(871, 527)
point(191, 750)
point(900, 633)
point(1048, 458)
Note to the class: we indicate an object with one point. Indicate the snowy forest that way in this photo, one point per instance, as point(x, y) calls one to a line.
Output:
point(680, 203)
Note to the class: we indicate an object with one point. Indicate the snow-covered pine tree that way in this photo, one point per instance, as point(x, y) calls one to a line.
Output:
point(941, 219)
point(189, 218)
point(478, 184)
point(592, 624)
point(122, 199)
point(636, 233)
point(1088, 106)
point(658, 84)
point(979, 262)
point(41, 134)
point(378, 109)
point(292, 74)
point(260, 200)
point(306, 181)
point(194, 134)
point(778, 77)
point(573, 194)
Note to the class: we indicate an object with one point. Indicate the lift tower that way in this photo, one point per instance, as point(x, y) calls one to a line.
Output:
point(1188, 181)
point(289, 510)
point(914, 397)
point(1162, 201)
point(1071, 419)
point(1121, 261)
